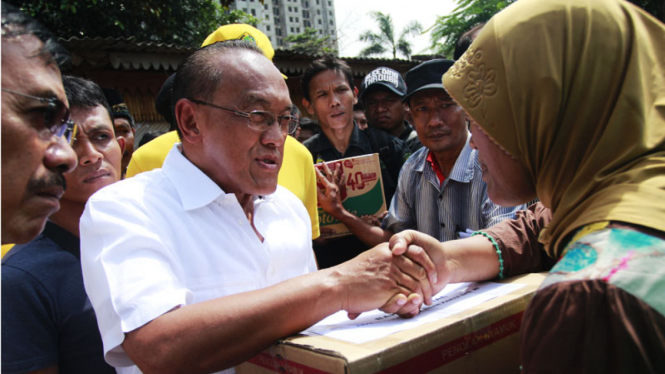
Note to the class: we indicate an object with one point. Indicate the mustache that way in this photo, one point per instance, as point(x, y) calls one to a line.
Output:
point(45, 183)
point(275, 154)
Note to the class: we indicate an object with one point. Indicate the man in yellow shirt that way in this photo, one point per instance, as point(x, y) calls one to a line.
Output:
point(297, 172)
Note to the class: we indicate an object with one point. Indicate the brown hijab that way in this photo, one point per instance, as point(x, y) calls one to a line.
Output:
point(575, 90)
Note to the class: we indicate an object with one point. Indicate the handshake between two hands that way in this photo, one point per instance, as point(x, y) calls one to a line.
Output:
point(395, 277)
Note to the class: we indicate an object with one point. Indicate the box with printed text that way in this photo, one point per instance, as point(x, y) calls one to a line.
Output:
point(483, 338)
point(361, 192)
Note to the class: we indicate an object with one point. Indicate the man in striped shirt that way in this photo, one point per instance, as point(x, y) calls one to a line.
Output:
point(440, 190)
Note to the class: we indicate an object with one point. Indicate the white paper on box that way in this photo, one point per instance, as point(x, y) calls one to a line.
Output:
point(453, 299)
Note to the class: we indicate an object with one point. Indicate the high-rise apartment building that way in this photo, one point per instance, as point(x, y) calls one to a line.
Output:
point(280, 18)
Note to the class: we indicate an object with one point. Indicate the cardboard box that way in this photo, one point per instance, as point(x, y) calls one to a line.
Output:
point(362, 192)
point(484, 339)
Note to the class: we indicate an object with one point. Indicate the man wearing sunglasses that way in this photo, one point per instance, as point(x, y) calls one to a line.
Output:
point(199, 265)
point(35, 127)
point(47, 318)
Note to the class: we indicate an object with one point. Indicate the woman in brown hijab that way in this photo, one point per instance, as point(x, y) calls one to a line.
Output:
point(566, 100)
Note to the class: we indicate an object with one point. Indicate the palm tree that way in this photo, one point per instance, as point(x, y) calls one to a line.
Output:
point(385, 41)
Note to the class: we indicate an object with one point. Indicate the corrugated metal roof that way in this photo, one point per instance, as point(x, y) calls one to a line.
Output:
point(293, 63)
point(125, 53)
point(157, 128)
point(144, 61)
point(122, 45)
point(130, 54)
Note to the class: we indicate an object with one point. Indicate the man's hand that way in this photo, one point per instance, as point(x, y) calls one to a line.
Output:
point(330, 197)
point(424, 251)
point(400, 243)
point(427, 276)
point(373, 220)
point(376, 277)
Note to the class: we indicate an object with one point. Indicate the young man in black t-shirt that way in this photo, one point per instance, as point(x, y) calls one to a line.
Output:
point(329, 93)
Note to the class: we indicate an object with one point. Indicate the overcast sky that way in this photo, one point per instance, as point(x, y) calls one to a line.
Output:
point(353, 18)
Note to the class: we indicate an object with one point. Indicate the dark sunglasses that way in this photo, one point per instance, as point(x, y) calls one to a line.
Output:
point(56, 116)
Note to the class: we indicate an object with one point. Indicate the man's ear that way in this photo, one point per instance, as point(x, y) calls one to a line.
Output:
point(307, 106)
point(123, 144)
point(355, 95)
point(186, 117)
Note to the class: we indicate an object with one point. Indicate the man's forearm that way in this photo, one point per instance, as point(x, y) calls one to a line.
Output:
point(369, 234)
point(217, 334)
point(220, 333)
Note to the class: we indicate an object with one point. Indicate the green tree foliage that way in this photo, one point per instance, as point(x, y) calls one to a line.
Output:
point(184, 22)
point(310, 43)
point(448, 29)
point(385, 41)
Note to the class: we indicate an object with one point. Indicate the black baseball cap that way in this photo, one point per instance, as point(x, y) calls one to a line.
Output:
point(117, 104)
point(383, 77)
point(163, 102)
point(426, 75)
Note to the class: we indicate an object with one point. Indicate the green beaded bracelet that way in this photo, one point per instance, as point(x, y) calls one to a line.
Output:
point(496, 247)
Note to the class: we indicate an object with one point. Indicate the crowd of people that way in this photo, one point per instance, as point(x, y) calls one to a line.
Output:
point(541, 147)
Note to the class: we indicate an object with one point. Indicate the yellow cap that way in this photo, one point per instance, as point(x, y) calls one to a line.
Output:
point(241, 31)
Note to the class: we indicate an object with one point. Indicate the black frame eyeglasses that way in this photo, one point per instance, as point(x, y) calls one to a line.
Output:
point(56, 116)
point(260, 120)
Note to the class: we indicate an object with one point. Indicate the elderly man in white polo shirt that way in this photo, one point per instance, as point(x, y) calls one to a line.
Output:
point(199, 265)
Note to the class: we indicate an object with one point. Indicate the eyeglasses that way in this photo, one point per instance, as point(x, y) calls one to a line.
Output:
point(260, 120)
point(71, 132)
point(56, 116)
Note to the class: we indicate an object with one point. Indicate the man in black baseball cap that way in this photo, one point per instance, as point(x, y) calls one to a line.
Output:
point(440, 190)
point(381, 94)
point(329, 95)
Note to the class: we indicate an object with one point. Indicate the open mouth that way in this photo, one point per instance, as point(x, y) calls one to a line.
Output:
point(269, 162)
